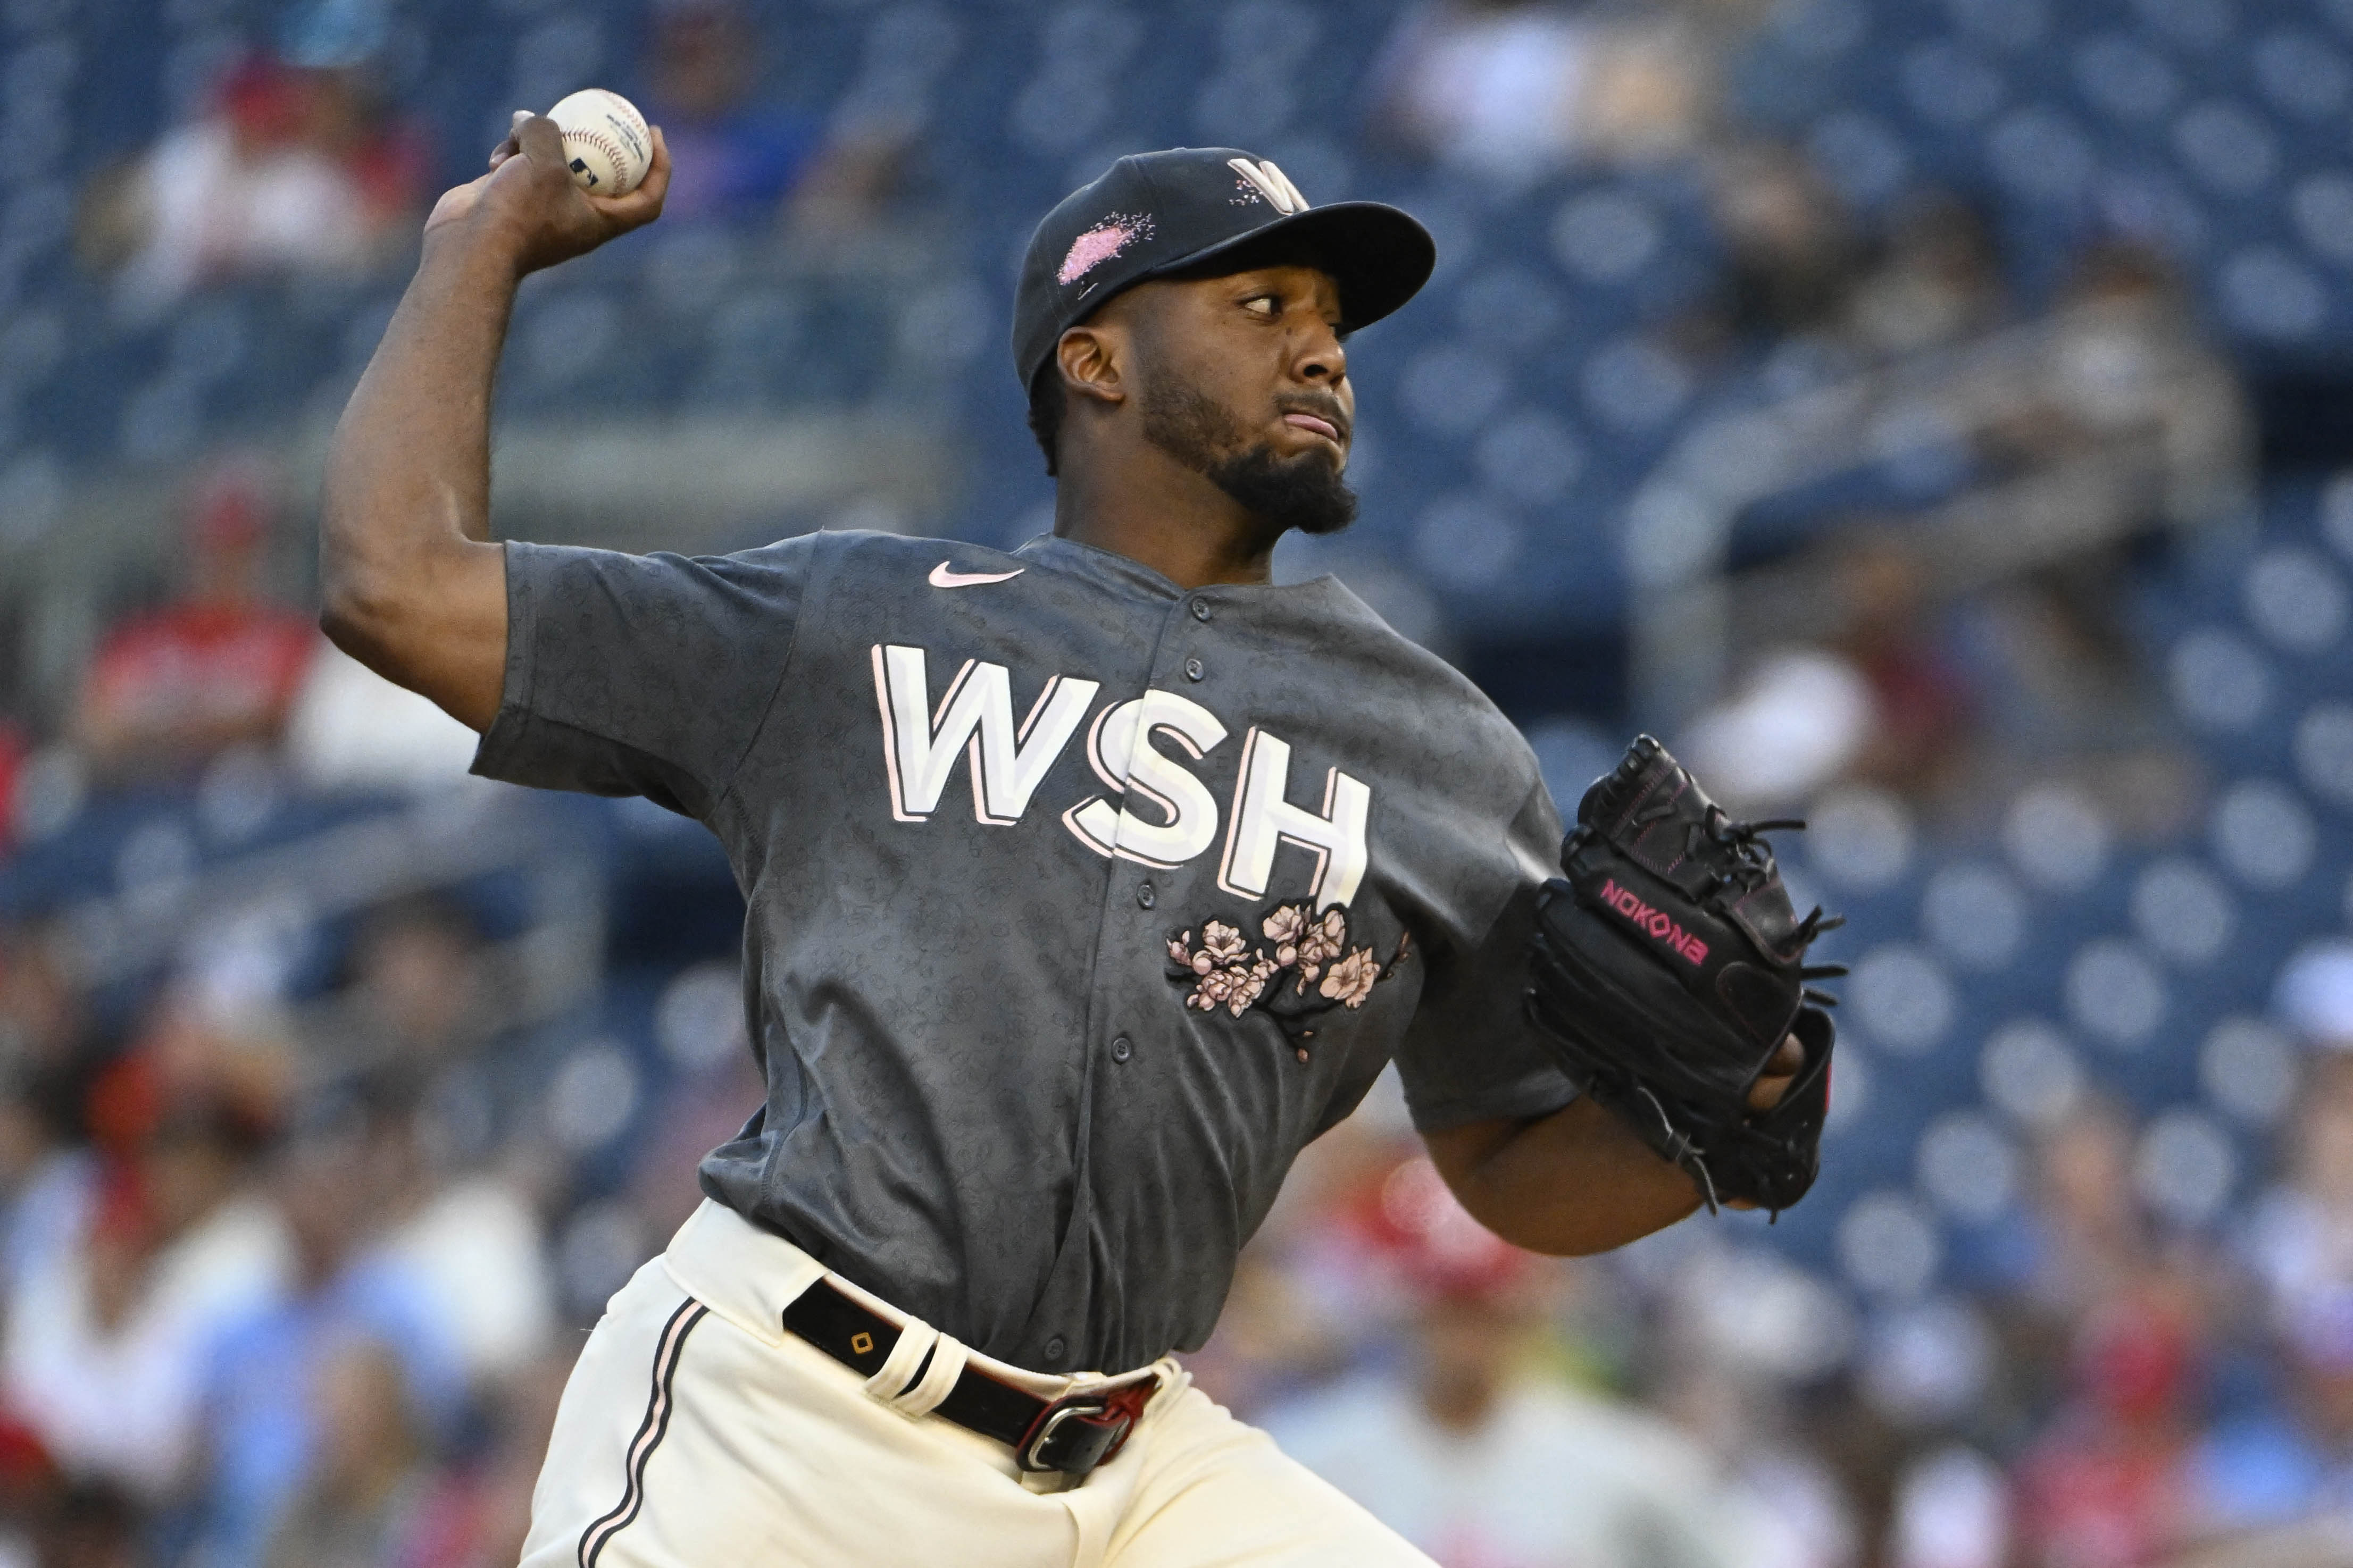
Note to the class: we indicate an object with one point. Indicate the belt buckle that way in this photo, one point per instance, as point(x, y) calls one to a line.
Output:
point(1079, 1431)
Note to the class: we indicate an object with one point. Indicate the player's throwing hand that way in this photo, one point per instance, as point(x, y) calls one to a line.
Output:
point(529, 204)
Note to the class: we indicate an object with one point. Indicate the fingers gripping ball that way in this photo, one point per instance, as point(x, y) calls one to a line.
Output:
point(605, 142)
point(1667, 969)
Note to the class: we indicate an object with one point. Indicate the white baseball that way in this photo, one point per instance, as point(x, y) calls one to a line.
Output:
point(605, 140)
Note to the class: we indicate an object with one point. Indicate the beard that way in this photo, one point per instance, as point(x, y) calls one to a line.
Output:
point(1305, 492)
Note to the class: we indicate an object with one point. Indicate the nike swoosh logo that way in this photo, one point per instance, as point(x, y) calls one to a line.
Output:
point(943, 578)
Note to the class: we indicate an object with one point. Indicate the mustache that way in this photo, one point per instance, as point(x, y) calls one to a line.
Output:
point(1326, 408)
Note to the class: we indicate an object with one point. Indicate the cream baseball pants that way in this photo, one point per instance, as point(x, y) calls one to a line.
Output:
point(697, 1433)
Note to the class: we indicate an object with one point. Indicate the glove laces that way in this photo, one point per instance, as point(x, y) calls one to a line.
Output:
point(1748, 865)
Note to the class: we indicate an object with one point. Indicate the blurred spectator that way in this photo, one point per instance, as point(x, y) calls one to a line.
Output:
point(1938, 280)
point(1921, 708)
point(473, 1242)
point(1877, 703)
point(2087, 1242)
point(702, 1030)
point(1793, 723)
point(2125, 361)
point(493, 1514)
point(295, 167)
point(91, 1526)
point(368, 1502)
point(419, 1016)
point(416, 998)
point(2107, 1485)
point(2290, 1456)
point(2124, 424)
point(351, 729)
point(217, 668)
point(15, 748)
point(106, 1339)
point(1792, 252)
point(1513, 89)
point(1951, 1508)
point(2299, 1239)
point(1475, 1460)
point(734, 155)
point(265, 1378)
point(45, 1171)
point(1319, 1289)
point(30, 1493)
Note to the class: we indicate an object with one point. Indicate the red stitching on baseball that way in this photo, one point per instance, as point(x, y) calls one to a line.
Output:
point(610, 148)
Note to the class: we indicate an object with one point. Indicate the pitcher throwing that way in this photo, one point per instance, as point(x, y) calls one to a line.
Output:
point(1088, 883)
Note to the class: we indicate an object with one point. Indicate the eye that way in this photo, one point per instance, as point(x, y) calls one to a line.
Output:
point(1263, 304)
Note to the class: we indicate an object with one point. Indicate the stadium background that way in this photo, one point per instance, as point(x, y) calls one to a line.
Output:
point(1925, 412)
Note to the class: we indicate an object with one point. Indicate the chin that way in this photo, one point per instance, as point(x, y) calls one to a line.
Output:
point(1303, 491)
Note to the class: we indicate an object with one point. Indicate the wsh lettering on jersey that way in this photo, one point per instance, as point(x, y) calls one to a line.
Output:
point(1005, 766)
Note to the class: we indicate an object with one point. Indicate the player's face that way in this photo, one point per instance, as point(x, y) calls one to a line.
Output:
point(1244, 379)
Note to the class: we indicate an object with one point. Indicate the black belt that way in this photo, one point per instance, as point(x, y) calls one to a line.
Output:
point(1072, 1435)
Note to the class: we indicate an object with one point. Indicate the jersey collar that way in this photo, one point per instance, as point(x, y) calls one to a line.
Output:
point(1111, 570)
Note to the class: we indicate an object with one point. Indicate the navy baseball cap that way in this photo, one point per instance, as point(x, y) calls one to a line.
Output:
point(1195, 209)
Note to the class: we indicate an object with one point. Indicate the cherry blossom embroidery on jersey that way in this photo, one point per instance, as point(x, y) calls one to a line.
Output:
point(1306, 968)
point(1352, 979)
point(1304, 943)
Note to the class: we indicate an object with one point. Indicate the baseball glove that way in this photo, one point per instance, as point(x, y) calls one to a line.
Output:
point(1667, 968)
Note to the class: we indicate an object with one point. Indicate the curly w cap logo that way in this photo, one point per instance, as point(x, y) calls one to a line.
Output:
point(1100, 243)
point(1270, 183)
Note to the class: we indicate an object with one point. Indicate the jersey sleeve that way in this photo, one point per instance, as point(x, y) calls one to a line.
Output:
point(642, 674)
point(1470, 1053)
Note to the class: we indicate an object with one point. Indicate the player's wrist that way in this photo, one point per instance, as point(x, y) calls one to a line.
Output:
point(484, 238)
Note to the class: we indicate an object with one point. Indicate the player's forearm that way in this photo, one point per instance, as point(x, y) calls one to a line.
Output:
point(410, 472)
point(1570, 1183)
point(406, 506)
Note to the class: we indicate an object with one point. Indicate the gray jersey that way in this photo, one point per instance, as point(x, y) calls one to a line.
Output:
point(1078, 902)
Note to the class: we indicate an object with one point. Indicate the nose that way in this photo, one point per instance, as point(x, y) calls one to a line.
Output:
point(1323, 361)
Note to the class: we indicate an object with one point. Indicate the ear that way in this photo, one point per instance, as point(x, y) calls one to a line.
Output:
point(1092, 360)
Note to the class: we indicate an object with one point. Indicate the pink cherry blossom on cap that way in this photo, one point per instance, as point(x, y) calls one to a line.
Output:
point(1100, 243)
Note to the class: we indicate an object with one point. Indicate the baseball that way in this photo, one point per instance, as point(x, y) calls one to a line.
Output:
point(605, 140)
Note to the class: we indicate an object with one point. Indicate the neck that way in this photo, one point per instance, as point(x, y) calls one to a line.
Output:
point(1140, 502)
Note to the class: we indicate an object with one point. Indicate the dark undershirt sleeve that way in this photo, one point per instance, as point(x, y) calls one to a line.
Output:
point(641, 674)
point(1471, 1054)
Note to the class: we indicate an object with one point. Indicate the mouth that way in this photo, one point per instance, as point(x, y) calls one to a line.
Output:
point(1317, 425)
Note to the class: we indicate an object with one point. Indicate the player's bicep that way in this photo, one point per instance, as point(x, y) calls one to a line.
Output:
point(443, 635)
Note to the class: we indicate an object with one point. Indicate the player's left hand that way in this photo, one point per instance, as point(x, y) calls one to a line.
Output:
point(1771, 1085)
point(1778, 1074)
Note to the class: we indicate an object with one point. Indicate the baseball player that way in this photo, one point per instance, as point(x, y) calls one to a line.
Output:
point(1087, 883)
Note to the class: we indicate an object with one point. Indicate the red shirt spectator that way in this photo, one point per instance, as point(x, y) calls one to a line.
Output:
point(2106, 1485)
point(170, 690)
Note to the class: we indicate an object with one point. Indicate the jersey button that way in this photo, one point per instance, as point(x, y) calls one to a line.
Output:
point(1144, 896)
point(1055, 1347)
point(1194, 669)
point(1200, 609)
point(1121, 1049)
